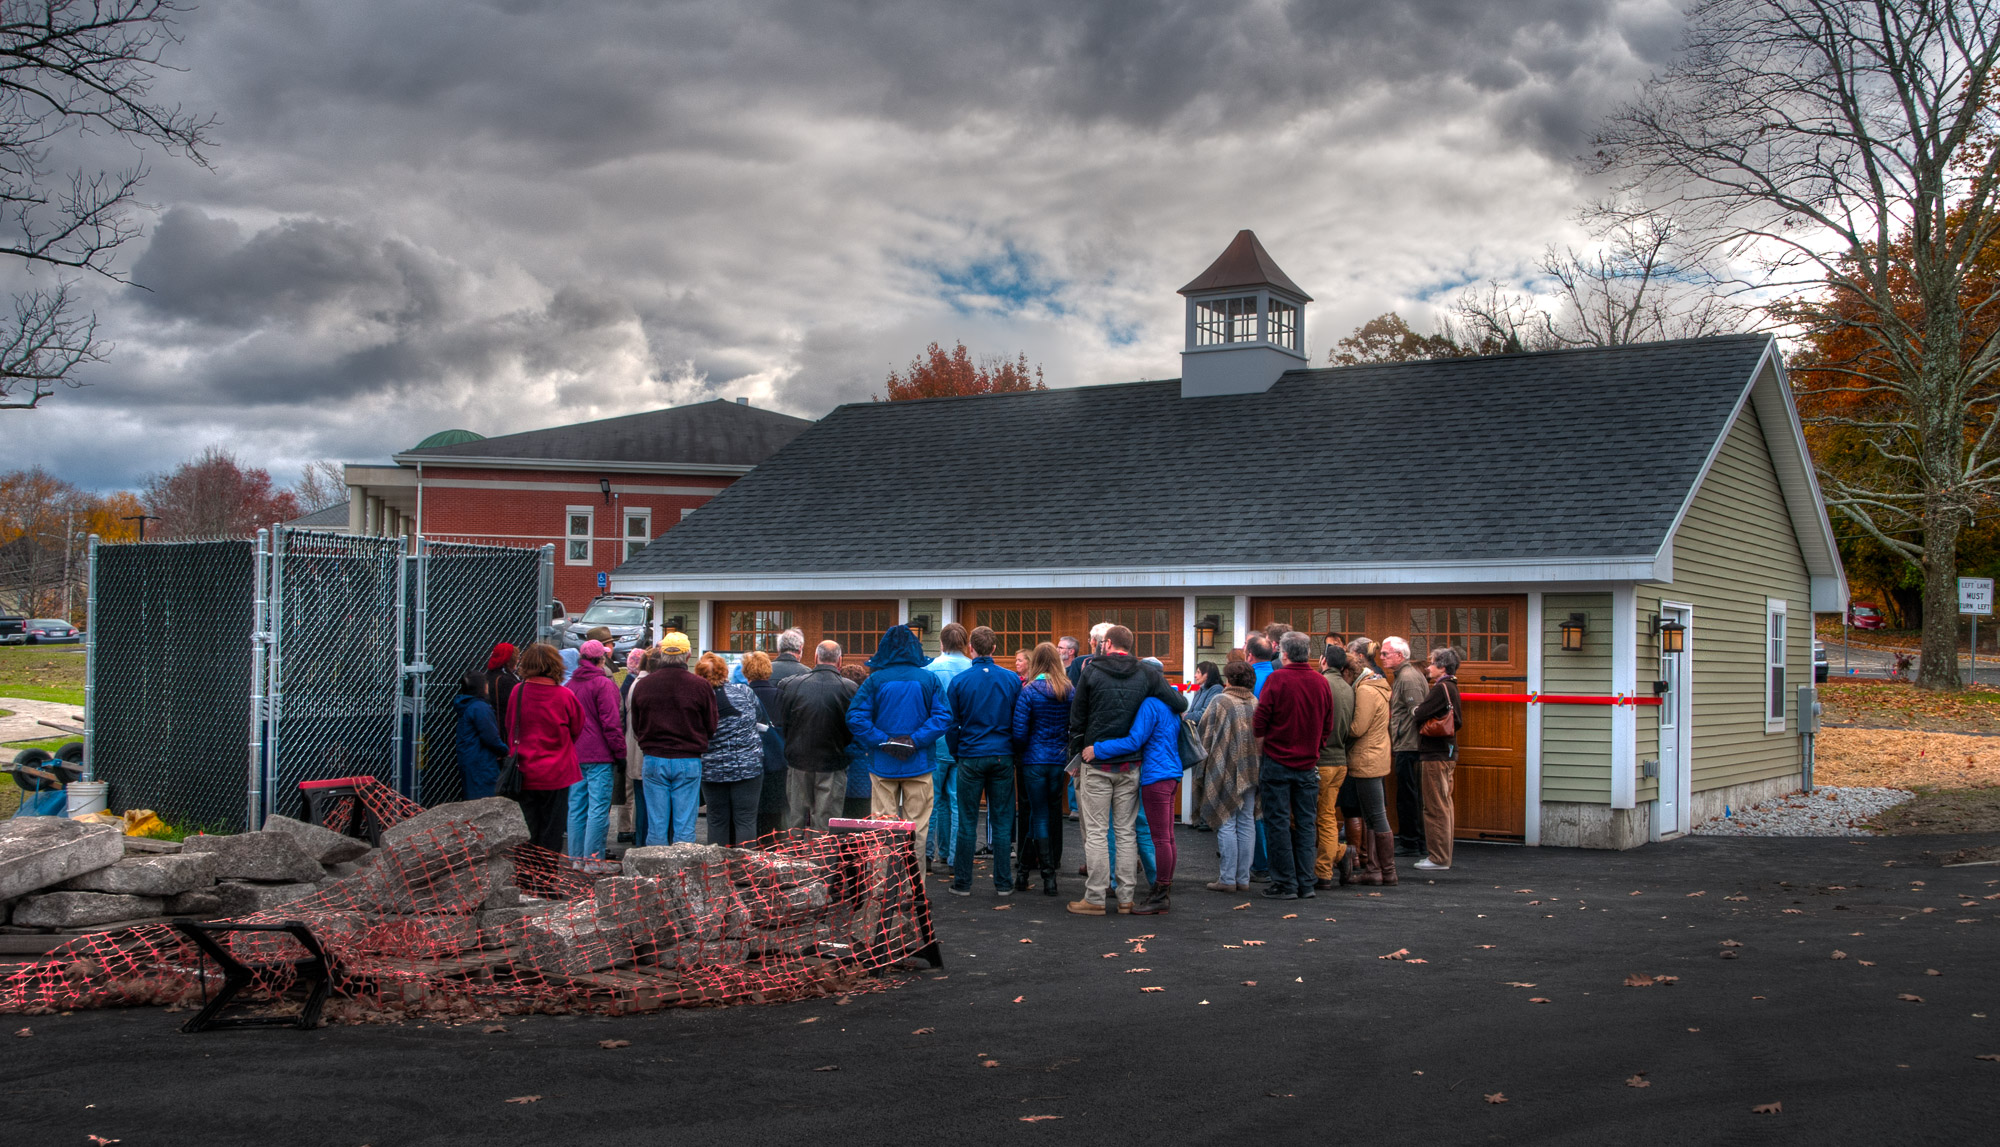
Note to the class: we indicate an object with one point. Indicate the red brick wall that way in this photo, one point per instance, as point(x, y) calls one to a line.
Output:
point(538, 516)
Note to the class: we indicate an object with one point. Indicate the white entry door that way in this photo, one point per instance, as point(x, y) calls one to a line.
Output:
point(1670, 813)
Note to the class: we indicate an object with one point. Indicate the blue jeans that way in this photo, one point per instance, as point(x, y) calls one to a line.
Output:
point(1260, 861)
point(638, 789)
point(1237, 840)
point(1290, 798)
point(673, 792)
point(944, 805)
point(993, 776)
point(1044, 782)
point(1146, 860)
point(590, 810)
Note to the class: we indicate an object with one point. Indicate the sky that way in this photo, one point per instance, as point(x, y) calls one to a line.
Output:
point(514, 214)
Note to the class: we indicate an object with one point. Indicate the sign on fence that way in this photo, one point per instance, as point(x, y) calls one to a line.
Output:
point(1975, 595)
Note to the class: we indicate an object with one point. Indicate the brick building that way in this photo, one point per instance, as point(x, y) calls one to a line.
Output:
point(597, 491)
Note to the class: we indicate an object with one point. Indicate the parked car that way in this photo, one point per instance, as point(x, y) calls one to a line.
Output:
point(1865, 615)
point(629, 617)
point(50, 631)
point(13, 630)
point(1820, 667)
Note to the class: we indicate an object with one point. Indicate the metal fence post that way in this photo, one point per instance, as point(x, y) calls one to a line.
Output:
point(253, 816)
point(90, 669)
point(404, 750)
point(274, 697)
point(545, 629)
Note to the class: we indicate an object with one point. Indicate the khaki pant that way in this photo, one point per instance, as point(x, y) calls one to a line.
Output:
point(904, 798)
point(1438, 810)
point(1109, 802)
point(813, 798)
point(1329, 846)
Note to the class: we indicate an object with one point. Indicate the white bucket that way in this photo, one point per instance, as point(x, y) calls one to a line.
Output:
point(87, 796)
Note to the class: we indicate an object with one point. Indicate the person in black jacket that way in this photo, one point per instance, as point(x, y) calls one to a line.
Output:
point(813, 707)
point(1438, 757)
point(1108, 694)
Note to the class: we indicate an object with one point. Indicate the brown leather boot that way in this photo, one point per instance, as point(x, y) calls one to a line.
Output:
point(1385, 845)
point(1351, 860)
point(1160, 901)
point(1368, 864)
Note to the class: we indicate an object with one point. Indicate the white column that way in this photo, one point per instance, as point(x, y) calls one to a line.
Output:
point(1240, 621)
point(357, 510)
point(704, 624)
point(1624, 683)
point(1187, 648)
point(948, 612)
point(1532, 819)
point(902, 611)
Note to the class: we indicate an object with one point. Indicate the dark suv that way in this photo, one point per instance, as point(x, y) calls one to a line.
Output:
point(629, 617)
point(13, 630)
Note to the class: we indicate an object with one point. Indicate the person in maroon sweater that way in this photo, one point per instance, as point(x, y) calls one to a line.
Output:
point(673, 717)
point(1294, 717)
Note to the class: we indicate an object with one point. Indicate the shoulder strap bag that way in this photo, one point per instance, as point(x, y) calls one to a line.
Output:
point(508, 782)
point(1445, 724)
point(1193, 752)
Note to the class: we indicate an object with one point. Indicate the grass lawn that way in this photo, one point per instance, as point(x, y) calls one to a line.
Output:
point(1900, 705)
point(53, 673)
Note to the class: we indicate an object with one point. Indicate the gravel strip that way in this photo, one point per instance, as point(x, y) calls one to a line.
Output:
point(1828, 811)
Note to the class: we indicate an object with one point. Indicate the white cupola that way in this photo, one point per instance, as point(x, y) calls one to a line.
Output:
point(1245, 323)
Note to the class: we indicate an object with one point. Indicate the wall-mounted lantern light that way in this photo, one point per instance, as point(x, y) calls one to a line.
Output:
point(1673, 635)
point(1572, 631)
point(676, 624)
point(921, 623)
point(604, 484)
point(1204, 631)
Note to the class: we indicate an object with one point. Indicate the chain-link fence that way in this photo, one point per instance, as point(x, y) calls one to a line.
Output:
point(467, 598)
point(169, 672)
point(322, 646)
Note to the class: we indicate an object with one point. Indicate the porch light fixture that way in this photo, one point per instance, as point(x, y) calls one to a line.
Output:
point(1572, 631)
point(604, 484)
point(921, 623)
point(675, 624)
point(1204, 631)
point(1673, 635)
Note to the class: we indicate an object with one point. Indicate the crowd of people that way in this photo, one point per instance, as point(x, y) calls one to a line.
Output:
point(1294, 758)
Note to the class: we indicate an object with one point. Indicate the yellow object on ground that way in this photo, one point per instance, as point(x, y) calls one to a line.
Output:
point(143, 822)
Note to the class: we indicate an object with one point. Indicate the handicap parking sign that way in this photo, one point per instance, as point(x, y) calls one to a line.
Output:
point(603, 579)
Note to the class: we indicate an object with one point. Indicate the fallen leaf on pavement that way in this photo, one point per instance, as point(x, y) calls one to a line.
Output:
point(1692, 895)
point(1638, 980)
point(1518, 984)
point(1496, 1097)
point(1241, 907)
point(1728, 953)
point(1932, 972)
point(538, 1099)
point(924, 1031)
point(1111, 955)
point(1993, 1058)
point(101, 1140)
point(1395, 955)
point(1666, 979)
point(1523, 890)
point(1136, 939)
point(1866, 963)
point(1538, 999)
point(1253, 943)
point(1137, 950)
point(1298, 979)
point(1767, 1109)
point(1794, 911)
point(1002, 907)
point(1837, 955)
point(1018, 999)
point(1638, 1080)
point(1738, 896)
point(24, 1033)
point(613, 1044)
point(1631, 894)
point(496, 1029)
point(1532, 903)
point(1289, 916)
point(1038, 1118)
point(1234, 947)
point(1732, 943)
point(1905, 996)
point(810, 1020)
point(1414, 960)
point(1025, 940)
point(828, 1067)
point(1484, 945)
point(1152, 989)
point(989, 1063)
point(1249, 983)
point(1129, 971)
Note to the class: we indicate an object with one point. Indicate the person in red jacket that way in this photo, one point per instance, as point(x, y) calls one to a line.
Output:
point(1294, 718)
point(544, 723)
point(601, 743)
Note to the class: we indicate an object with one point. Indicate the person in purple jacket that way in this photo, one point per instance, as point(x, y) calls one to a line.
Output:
point(1156, 737)
point(598, 748)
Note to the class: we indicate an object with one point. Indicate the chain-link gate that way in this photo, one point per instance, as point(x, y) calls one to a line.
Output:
point(168, 667)
point(321, 644)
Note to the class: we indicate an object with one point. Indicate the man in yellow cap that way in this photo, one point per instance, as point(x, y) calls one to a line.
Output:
point(673, 717)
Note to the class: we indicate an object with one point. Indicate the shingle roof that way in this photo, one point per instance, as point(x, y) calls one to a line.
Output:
point(1567, 454)
point(334, 516)
point(1244, 263)
point(715, 433)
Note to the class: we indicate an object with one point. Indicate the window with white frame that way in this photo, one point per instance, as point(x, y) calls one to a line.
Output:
point(578, 521)
point(638, 531)
point(1774, 666)
point(1283, 323)
point(1220, 321)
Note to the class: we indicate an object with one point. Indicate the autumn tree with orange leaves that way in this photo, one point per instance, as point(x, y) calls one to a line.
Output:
point(1836, 147)
point(938, 373)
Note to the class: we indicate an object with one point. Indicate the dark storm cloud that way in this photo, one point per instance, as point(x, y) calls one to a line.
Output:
point(515, 213)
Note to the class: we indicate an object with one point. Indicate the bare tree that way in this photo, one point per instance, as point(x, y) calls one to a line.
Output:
point(1834, 143)
point(83, 67)
point(321, 484)
point(1641, 280)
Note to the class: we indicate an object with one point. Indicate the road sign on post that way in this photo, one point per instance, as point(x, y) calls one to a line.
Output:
point(604, 579)
point(1975, 597)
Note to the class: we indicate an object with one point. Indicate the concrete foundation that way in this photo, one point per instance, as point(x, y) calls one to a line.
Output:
point(1710, 804)
point(1568, 824)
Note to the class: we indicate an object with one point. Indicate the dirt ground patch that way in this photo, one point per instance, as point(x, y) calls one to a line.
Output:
point(1900, 705)
point(1906, 759)
point(1943, 810)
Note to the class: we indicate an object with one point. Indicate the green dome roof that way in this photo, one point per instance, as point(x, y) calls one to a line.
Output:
point(449, 438)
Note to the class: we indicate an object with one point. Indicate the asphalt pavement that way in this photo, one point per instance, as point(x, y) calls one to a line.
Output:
point(1275, 1022)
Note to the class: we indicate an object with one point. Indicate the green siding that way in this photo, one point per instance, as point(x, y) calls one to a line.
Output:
point(1576, 739)
point(1735, 548)
point(689, 611)
point(1224, 608)
point(934, 607)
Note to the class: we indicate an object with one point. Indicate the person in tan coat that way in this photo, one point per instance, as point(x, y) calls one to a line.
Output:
point(1369, 760)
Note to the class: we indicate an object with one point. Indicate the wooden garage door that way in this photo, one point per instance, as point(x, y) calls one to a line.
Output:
point(741, 626)
point(1490, 635)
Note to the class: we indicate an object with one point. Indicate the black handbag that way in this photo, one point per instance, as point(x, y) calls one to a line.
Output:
point(507, 783)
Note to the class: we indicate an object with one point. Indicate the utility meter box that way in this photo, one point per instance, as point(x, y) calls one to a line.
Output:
point(1809, 710)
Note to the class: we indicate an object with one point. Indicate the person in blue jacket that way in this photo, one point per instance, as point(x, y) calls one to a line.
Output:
point(981, 738)
point(899, 713)
point(480, 745)
point(1156, 737)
